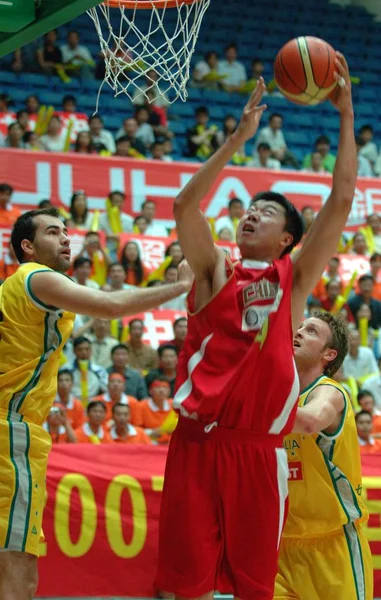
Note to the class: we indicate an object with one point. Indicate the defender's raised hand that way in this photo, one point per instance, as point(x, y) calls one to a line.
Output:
point(252, 113)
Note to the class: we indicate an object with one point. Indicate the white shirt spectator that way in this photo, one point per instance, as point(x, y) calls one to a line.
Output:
point(161, 98)
point(107, 139)
point(275, 139)
point(235, 72)
point(97, 379)
point(363, 364)
point(89, 283)
point(75, 55)
point(373, 385)
point(145, 134)
point(178, 303)
point(271, 163)
point(202, 69)
point(364, 168)
point(369, 151)
point(53, 144)
point(127, 223)
point(156, 229)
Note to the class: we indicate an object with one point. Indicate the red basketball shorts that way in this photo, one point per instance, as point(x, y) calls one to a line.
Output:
point(223, 509)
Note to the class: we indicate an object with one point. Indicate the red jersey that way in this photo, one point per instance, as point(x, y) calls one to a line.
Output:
point(237, 366)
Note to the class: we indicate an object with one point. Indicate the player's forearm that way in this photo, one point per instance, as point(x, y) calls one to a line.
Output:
point(345, 172)
point(130, 302)
point(191, 196)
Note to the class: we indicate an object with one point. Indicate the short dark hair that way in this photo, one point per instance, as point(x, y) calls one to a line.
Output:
point(130, 323)
point(366, 128)
point(148, 201)
point(122, 139)
point(118, 347)
point(81, 339)
point(44, 203)
point(235, 201)
point(81, 260)
point(177, 321)
point(273, 115)
point(165, 347)
point(375, 256)
point(5, 187)
point(140, 217)
point(362, 394)
point(65, 372)
point(366, 277)
point(115, 264)
point(69, 98)
point(117, 405)
point(294, 220)
point(20, 112)
point(25, 228)
point(232, 45)
point(93, 117)
point(336, 259)
point(94, 404)
point(263, 146)
point(322, 139)
point(201, 110)
point(339, 339)
point(361, 413)
point(116, 193)
point(170, 266)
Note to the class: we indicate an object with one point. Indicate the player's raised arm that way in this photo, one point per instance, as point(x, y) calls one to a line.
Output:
point(193, 229)
point(53, 289)
point(323, 237)
point(322, 413)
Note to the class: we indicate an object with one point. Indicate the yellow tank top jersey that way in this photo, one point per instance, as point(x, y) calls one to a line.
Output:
point(324, 475)
point(31, 338)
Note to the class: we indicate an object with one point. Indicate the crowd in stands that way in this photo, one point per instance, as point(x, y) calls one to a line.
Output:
point(115, 387)
point(146, 131)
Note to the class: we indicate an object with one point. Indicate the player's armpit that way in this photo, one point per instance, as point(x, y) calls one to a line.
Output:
point(55, 290)
point(323, 412)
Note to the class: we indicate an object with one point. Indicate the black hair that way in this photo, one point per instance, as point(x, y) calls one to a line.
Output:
point(137, 266)
point(322, 139)
point(337, 260)
point(117, 405)
point(154, 282)
point(257, 60)
point(94, 404)
point(81, 339)
point(91, 148)
point(278, 115)
point(235, 201)
point(114, 264)
point(375, 257)
point(93, 117)
point(44, 204)
point(263, 146)
point(361, 413)
point(72, 206)
point(116, 193)
point(177, 321)
point(140, 217)
point(366, 277)
point(202, 110)
point(168, 249)
point(165, 347)
point(5, 187)
point(366, 128)
point(362, 394)
point(170, 266)
point(209, 54)
point(26, 139)
point(20, 112)
point(359, 141)
point(294, 220)
point(65, 372)
point(118, 347)
point(69, 98)
point(148, 201)
point(122, 139)
point(232, 45)
point(130, 323)
point(25, 228)
point(81, 260)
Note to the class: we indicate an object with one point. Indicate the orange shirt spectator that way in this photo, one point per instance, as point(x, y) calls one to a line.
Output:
point(59, 427)
point(8, 213)
point(122, 431)
point(116, 395)
point(156, 408)
point(331, 273)
point(74, 407)
point(366, 401)
point(94, 432)
point(364, 424)
point(136, 271)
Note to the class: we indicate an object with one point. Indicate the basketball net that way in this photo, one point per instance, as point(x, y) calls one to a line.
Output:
point(147, 53)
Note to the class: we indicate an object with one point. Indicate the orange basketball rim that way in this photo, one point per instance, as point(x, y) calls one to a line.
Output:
point(142, 4)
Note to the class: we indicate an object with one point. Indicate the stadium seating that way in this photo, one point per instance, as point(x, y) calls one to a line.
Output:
point(260, 30)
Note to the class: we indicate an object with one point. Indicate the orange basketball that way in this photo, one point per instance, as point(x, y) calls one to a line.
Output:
point(304, 70)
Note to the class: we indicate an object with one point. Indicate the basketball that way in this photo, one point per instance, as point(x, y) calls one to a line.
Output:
point(304, 70)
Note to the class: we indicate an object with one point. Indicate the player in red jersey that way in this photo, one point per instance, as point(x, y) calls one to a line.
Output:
point(224, 498)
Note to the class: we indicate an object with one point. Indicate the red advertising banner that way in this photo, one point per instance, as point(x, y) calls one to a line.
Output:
point(101, 520)
point(38, 175)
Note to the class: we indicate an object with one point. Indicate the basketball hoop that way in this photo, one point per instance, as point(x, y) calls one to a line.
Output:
point(148, 45)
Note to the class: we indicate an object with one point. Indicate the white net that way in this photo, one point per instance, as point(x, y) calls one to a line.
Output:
point(147, 53)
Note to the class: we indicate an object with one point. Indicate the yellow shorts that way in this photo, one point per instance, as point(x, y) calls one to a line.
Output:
point(336, 567)
point(24, 450)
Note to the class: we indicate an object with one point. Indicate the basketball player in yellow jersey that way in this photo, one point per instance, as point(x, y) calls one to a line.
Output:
point(37, 308)
point(324, 554)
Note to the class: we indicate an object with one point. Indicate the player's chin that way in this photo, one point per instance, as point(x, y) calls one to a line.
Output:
point(63, 263)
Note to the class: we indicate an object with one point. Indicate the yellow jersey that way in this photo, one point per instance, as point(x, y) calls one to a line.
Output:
point(31, 338)
point(324, 475)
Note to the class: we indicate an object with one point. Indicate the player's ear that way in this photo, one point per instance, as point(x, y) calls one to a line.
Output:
point(287, 239)
point(27, 247)
point(329, 354)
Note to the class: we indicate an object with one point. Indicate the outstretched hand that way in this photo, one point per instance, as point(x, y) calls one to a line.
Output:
point(185, 274)
point(341, 97)
point(252, 113)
